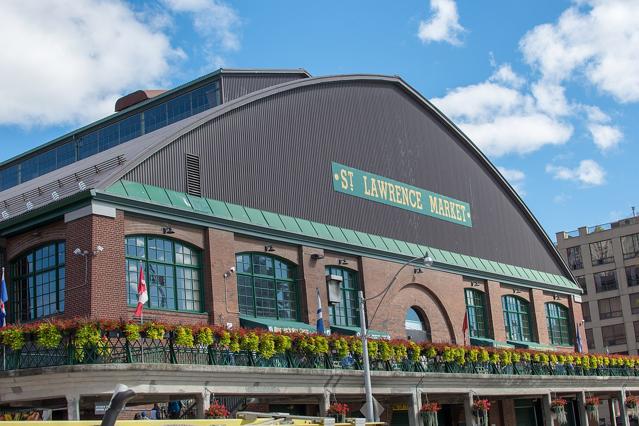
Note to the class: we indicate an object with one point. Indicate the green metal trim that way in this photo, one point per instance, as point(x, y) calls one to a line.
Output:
point(481, 341)
point(444, 260)
point(356, 331)
point(275, 325)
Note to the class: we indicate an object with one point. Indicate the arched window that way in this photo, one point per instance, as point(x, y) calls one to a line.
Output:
point(172, 271)
point(37, 283)
point(476, 309)
point(558, 324)
point(417, 326)
point(346, 312)
point(516, 318)
point(266, 287)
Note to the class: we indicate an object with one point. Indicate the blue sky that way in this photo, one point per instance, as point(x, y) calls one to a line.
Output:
point(548, 89)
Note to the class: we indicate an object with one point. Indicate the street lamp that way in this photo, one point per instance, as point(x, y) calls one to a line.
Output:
point(427, 261)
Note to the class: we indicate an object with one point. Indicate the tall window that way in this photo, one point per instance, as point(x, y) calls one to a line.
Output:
point(585, 309)
point(582, 283)
point(516, 318)
point(609, 308)
point(476, 309)
point(558, 324)
point(601, 252)
point(346, 312)
point(630, 246)
point(590, 339)
point(634, 303)
point(605, 281)
point(614, 334)
point(37, 283)
point(172, 271)
point(574, 258)
point(417, 326)
point(267, 287)
point(632, 275)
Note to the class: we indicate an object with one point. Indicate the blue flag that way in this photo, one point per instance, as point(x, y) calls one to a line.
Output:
point(320, 321)
point(4, 298)
point(580, 348)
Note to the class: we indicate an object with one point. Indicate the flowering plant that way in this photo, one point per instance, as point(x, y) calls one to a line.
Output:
point(592, 401)
point(559, 402)
point(339, 409)
point(558, 407)
point(481, 405)
point(431, 407)
point(632, 401)
point(218, 410)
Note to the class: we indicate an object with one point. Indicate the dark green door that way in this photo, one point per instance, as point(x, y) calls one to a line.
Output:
point(525, 413)
point(400, 418)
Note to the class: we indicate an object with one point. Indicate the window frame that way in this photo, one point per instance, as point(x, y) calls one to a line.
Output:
point(576, 261)
point(634, 238)
point(197, 252)
point(31, 278)
point(614, 326)
point(630, 282)
point(423, 321)
point(610, 255)
point(564, 324)
point(471, 311)
point(350, 322)
point(598, 287)
point(292, 267)
point(522, 313)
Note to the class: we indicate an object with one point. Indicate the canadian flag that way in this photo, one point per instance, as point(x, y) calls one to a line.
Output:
point(143, 296)
point(465, 327)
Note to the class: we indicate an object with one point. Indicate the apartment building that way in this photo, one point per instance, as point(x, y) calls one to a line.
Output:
point(605, 262)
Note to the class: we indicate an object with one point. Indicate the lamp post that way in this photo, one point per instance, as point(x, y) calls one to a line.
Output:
point(427, 261)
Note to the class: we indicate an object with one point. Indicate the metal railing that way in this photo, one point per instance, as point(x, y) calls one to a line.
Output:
point(115, 349)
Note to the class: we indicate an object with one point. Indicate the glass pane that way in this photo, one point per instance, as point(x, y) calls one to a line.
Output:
point(155, 118)
point(109, 137)
point(161, 286)
point(204, 98)
point(130, 128)
point(9, 177)
point(160, 250)
point(88, 145)
point(262, 265)
point(245, 294)
point(265, 305)
point(65, 154)
point(243, 263)
point(179, 108)
point(29, 169)
point(132, 276)
point(46, 162)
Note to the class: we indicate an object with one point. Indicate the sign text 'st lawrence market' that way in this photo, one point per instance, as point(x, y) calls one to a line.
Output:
point(388, 191)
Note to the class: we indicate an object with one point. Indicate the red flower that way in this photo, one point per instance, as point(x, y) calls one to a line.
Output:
point(431, 407)
point(481, 405)
point(559, 402)
point(218, 410)
point(339, 408)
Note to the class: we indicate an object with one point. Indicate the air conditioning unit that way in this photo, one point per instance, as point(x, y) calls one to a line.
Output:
point(333, 282)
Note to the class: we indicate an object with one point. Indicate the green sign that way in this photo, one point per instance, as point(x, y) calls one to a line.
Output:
point(383, 190)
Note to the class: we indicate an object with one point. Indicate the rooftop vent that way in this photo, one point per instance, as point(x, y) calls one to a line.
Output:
point(135, 98)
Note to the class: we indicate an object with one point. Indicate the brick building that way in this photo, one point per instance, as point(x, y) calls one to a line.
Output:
point(243, 192)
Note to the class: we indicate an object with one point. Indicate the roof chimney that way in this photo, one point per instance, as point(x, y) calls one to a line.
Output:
point(135, 98)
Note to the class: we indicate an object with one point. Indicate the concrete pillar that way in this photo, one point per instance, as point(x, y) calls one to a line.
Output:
point(612, 411)
point(468, 409)
point(581, 408)
point(623, 413)
point(202, 403)
point(547, 412)
point(73, 407)
point(414, 405)
point(324, 403)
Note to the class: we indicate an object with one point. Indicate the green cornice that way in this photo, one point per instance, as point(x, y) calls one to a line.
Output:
point(148, 199)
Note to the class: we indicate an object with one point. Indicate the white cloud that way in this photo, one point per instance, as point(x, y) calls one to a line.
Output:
point(213, 20)
point(595, 38)
point(502, 119)
point(515, 178)
point(605, 137)
point(588, 172)
point(67, 61)
point(443, 25)
point(506, 75)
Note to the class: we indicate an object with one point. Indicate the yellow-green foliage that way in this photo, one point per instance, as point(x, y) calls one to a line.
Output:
point(204, 336)
point(132, 332)
point(155, 331)
point(250, 342)
point(267, 346)
point(282, 343)
point(13, 337)
point(48, 335)
point(184, 336)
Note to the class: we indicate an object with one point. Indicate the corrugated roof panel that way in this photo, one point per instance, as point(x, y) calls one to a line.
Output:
point(179, 199)
point(403, 247)
point(199, 204)
point(158, 195)
point(237, 212)
point(135, 190)
point(497, 267)
point(414, 249)
point(437, 254)
point(290, 224)
point(456, 259)
point(255, 216)
point(307, 227)
point(219, 208)
point(336, 233)
point(273, 220)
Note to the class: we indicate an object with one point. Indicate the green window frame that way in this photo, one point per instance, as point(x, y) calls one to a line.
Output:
point(476, 310)
point(559, 329)
point(346, 312)
point(36, 288)
point(172, 271)
point(517, 318)
point(267, 287)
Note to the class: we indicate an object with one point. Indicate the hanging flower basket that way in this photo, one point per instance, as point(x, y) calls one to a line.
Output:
point(339, 411)
point(481, 407)
point(632, 404)
point(429, 413)
point(558, 406)
point(217, 411)
point(592, 407)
